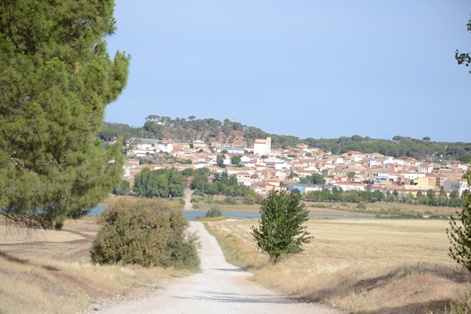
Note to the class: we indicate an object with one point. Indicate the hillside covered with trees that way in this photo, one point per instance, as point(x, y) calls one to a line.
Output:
point(229, 132)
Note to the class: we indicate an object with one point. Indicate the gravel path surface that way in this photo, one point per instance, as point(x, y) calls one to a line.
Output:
point(220, 288)
point(188, 194)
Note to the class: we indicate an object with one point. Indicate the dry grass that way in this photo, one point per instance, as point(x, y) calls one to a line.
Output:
point(381, 266)
point(50, 271)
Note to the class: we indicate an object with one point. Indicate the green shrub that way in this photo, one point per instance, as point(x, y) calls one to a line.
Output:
point(214, 212)
point(146, 232)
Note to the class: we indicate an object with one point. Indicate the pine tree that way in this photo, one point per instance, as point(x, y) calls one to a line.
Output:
point(56, 79)
point(281, 229)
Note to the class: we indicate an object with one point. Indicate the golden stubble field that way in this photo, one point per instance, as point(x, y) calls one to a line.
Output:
point(359, 266)
point(51, 271)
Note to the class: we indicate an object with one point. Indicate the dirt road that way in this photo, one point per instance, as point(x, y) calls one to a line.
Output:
point(188, 194)
point(220, 288)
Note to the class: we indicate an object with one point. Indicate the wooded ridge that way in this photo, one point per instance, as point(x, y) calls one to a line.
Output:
point(236, 134)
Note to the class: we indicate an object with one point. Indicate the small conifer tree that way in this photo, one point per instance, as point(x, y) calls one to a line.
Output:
point(281, 230)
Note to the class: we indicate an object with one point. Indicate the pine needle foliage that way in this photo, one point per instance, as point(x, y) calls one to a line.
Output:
point(145, 232)
point(56, 78)
point(459, 232)
point(281, 230)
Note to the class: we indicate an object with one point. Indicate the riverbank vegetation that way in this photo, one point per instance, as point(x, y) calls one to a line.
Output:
point(357, 265)
point(428, 197)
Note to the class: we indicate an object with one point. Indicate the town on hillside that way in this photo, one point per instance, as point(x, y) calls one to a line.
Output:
point(262, 168)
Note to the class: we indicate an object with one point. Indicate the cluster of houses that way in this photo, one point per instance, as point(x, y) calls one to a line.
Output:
point(262, 168)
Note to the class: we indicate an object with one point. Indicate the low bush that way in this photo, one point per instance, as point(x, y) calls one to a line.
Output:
point(146, 232)
point(214, 212)
point(361, 205)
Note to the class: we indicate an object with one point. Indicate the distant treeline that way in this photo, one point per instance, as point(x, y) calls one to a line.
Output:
point(211, 129)
point(427, 198)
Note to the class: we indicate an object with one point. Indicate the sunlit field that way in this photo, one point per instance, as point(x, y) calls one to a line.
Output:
point(359, 266)
point(51, 272)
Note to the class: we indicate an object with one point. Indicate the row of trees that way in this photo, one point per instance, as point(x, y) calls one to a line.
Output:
point(400, 146)
point(162, 183)
point(222, 184)
point(429, 198)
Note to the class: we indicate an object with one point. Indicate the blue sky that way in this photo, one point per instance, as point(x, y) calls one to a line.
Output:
point(303, 68)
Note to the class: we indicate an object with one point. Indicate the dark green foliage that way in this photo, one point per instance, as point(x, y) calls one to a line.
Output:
point(220, 161)
point(459, 232)
point(162, 183)
point(281, 229)
point(114, 130)
point(56, 79)
point(314, 179)
point(123, 188)
point(223, 184)
point(235, 160)
point(145, 232)
point(188, 172)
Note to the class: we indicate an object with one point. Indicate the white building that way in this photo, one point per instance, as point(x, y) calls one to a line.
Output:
point(164, 147)
point(262, 146)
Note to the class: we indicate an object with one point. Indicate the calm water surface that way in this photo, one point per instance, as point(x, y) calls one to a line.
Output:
point(192, 214)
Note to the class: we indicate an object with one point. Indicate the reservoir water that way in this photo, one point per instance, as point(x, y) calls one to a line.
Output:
point(192, 214)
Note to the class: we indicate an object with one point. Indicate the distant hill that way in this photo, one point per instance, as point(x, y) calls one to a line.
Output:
point(235, 133)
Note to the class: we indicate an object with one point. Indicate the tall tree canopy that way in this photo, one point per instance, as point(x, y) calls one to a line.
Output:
point(56, 79)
